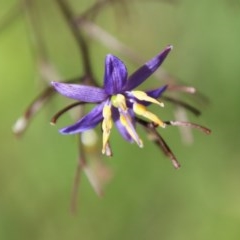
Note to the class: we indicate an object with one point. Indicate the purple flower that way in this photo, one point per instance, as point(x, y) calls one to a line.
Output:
point(117, 101)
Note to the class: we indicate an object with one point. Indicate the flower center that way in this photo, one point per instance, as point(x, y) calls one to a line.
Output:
point(126, 115)
point(119, 102)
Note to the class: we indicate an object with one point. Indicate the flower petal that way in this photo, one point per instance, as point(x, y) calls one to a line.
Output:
point(156, 93)
point(80, 92)
point(89, 121)
point(140, 75)
point(115, 76)
point(122, 130)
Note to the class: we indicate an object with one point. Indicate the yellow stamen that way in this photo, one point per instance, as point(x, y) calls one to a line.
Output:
point(119, 101)
point(106, 126)
point(126, 122)
point(144, 97)
point(142, 111)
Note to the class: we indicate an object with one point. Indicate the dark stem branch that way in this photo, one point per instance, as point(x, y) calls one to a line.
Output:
point(64, 110)
point(81, 163)
point(94, 9)
point(35, 106)
point(36, 38)
point(45, 95)
point(82, 44)
point(182, 104)
point(189, 124)
point(159, 141)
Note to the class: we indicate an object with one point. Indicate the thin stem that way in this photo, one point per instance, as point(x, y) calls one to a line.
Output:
point(185, 133)
point(189, 124)
point(36, 38)
point(95, 8)
point(182, 104)
point(81, 163)
point(64, 110)
point(182, 88)
point(159, 141)
point(99, 34)
point(36, 105)
point(83, 48)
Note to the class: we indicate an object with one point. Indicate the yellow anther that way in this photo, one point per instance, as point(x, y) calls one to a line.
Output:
point(127, 123)
point(144, 97)
point(119, 101)
point(142, 111)
point(106, 126)
point(107, 111)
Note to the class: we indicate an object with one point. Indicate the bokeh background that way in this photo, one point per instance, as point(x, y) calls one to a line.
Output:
point(147, 198)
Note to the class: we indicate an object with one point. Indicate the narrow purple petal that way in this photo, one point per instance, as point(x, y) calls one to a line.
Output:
point(115, 76)
point(80, 92)
point(156, 93)
point(140, 75)
point(122, 130)
point(89, 121)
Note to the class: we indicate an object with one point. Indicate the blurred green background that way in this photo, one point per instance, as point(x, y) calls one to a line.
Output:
point(147, 198)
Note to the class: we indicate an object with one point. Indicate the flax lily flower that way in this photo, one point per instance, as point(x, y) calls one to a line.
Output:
point(117, 101)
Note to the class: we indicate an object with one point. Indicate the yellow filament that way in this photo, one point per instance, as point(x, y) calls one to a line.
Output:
point(144, 97)
point(142, 111)
point(126, 122)
point(106, 126)
point(119, 101)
